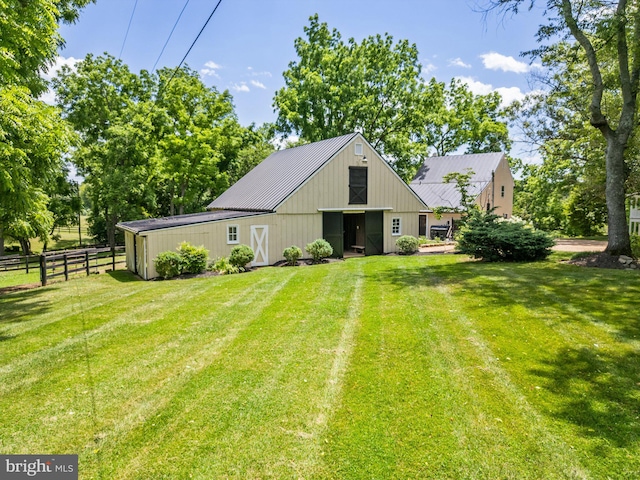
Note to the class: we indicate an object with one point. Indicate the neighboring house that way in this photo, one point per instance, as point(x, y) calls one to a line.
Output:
point(491, 185)
point(338, 189)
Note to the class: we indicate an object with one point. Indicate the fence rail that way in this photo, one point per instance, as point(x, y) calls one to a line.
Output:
point(55, 264)
point(18, 262)
point(77, 261)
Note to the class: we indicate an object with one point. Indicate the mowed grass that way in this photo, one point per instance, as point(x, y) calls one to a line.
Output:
point(378, 367)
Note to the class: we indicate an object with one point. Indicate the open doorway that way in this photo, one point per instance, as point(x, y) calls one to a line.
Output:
point(354, 233)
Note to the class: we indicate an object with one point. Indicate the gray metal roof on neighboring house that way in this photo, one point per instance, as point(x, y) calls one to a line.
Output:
point(147, 224)
point(279, 175)
point(428, 182)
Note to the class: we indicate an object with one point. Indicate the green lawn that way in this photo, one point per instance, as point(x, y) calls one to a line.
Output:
point(378, 367)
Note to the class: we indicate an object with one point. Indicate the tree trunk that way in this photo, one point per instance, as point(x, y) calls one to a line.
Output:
point(619, 243)
point(25, 243)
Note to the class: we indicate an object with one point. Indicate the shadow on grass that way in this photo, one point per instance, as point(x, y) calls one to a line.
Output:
point(596, 391)
point(124, 276)
point(593, 388)
point(610, 297)
point(22, 305)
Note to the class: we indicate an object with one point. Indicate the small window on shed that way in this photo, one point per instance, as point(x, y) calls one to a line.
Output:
point(396, 226)
point(359, 150)
point(233, 234)
point(502, 191)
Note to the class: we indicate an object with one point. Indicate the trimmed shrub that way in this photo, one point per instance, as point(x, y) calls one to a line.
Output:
point(240, 256)
point(193, 259)
point(168, 264)
point(487, 238)
point(407, 244)
point(319, 249)
point(292, 254)
point(223, 266)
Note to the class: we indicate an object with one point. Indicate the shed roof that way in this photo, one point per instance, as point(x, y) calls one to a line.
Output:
point(138, 226)
point(279, 175)
point(428, 183)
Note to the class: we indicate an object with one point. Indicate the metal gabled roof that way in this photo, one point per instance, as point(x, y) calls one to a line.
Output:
point(138, 226)
point(429, 186)
point(279, 175)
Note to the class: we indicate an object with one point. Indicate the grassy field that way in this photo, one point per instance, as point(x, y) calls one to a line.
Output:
point(378, 367)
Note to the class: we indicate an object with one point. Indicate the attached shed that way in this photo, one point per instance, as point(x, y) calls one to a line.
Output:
point(491, 184)
point(338, 189)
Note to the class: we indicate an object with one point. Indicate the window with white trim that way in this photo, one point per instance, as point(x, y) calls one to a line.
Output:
point(359, 150)
point(396, 226)
point(233, 234)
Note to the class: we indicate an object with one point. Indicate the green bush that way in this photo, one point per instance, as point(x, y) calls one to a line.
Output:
point(193, 259)
point(635, 245)
point(240, 256)
point(488, 238)
point(319, 249)
point(168, 264)
point(292, 254)
point(407, 244)
point(223, 266)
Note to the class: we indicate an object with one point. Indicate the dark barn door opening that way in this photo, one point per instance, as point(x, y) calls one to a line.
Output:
point(333, 232)
point(374, 233)
point(354, 238)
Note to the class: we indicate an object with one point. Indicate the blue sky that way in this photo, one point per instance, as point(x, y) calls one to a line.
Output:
point(249, 43)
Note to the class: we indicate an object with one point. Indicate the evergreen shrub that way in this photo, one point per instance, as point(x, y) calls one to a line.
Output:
point(292, 254)
point(240, 256)
point(319, 249)
point(486, 236)
point(408, 244)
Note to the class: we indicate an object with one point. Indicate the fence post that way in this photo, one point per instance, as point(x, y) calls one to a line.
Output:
point(66, 268)
point(113, 259)
point(86, 259)
point(43, 270)
point(26, 264)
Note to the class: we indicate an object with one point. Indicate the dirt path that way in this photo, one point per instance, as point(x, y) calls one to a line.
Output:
point(577, 245)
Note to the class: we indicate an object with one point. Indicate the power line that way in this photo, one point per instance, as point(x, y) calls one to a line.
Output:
point(170, 34)
point(128, 27)
point(194, 42)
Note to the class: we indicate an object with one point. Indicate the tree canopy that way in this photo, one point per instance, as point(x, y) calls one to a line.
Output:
point(375, 87)
point(33, 137)
point(608, 36)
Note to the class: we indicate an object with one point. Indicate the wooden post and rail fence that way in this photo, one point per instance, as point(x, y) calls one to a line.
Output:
point(57, 264)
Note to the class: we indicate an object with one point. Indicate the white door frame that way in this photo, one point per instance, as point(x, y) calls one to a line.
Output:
point(260, 245)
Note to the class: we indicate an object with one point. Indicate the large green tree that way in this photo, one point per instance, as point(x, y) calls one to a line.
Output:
point(338, 87)
point(608, 33)
point(111, 110)
point(198, 137)
point(33, 137)
point(150, 145)
point(375, 87)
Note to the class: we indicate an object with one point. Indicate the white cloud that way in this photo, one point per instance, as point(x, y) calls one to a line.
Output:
point(458, 62)
point(258, 84)
point(253, 73)
point(241, 87)
point(476, 87)
point(57, 65)
point(429, 67)
point(497, 61)
point(508, 94)
point(210, 69)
